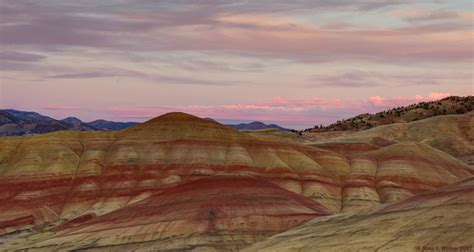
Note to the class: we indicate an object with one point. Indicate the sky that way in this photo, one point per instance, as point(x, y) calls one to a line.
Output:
point(295, 63)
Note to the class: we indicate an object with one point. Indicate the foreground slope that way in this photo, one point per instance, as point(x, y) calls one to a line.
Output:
point(440, 220)
point(215, 213)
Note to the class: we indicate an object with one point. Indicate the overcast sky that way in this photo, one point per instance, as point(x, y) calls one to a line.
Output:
point(295, 63)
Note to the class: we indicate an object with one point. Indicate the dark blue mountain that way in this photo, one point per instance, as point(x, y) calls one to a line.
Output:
point(20, 123)
point(256, 126)
point(109, 125)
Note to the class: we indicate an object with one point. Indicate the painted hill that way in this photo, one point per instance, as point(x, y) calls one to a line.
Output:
point(19, 123)
point(448, 106)
point(437, 220)
point(196, 214)
point(54, 183)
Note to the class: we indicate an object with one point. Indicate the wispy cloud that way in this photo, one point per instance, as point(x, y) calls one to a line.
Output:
point(436, 15)
point(157, 78)
point(352, 79)
point(20, 56)
point(61, 107)
point(367, 79)
point(226, 27)
point(18, 61)
point(382, 102)
point(80, 75)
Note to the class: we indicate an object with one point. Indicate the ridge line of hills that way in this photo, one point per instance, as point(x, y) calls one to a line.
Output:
point(17, 123)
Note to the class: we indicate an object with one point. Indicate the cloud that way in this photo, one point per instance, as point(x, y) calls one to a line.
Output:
point(61, 108)
point(430, 15)
point(195, 63)
point(18, 61)
point(192, 81)
point(366, 79)
point(80, 75)
point(435, 15)
point(354, 79)
point(274, 6)
point(20, 56)
point(381, 102)
point(157, 78)
point(228, 27)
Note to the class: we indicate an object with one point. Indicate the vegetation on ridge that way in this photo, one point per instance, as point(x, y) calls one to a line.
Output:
point(447, 106)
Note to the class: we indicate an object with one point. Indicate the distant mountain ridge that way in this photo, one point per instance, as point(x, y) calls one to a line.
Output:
point(256, 126)
point(77, 124)
point(110, 125)
point(19, 123)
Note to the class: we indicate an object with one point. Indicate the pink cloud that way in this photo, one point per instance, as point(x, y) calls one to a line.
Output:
point(432, 15)
point(250, 33)
point(398, 101)
point(287, 38)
